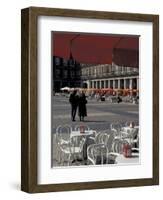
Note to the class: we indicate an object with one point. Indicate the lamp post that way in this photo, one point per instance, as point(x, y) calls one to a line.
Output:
point(71, 56)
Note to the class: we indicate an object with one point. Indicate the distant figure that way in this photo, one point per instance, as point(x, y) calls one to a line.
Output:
point(119, 99)
point(82, 106)
point(74, 101)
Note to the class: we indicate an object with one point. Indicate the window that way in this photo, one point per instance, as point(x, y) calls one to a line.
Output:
point(57, 61)
point(72, 73)
point(65, 62)
point(57, 72)
point(65, 74)
point(78, 73)
point(71, 62)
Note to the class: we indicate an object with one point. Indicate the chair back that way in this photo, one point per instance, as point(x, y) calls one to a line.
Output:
point(77, 141)
point(127, 123)
point(116, 126)
point(109, 140)
point(118, 144)
point(134, 133)
point(97, 154)
point(63, 133)
point(105, 138)
point(90, 155)
point(100, 137)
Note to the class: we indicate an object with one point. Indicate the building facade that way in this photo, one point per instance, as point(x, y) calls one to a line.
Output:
point(66, 73)
point(110, 76)
point(69, 73)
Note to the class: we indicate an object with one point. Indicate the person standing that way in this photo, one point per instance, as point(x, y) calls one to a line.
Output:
point(74, 101)
point(82, 106)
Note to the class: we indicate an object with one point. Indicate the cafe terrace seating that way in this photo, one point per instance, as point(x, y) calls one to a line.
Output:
point(101, 147)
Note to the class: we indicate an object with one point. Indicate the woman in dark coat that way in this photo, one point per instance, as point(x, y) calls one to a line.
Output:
point(82, 106)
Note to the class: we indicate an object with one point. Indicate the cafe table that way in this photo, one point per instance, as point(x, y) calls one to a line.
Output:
point(85, 133)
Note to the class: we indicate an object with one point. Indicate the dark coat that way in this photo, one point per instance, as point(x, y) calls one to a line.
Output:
point(74, 99)
point(82, 106)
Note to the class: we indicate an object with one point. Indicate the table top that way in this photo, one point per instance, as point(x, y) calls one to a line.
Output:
point(86, 133)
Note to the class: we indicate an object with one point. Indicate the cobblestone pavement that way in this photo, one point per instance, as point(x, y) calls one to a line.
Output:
point(100, 114)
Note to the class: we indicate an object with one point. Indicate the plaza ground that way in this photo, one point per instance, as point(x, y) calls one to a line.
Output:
point(99, 114)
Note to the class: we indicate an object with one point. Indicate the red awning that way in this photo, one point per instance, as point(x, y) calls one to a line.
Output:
point(93, 48)
point(126, 53)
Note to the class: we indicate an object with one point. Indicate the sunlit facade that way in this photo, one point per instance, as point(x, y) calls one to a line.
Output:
point(110, 76)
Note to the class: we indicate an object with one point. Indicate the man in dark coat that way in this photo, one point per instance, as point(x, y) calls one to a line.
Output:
point(74, 101)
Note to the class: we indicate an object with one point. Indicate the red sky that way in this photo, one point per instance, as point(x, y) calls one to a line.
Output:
point(93, 48)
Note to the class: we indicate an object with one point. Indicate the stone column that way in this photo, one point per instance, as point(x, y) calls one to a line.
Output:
point(130, 87)
point(119, 84)
point(137, 83)
point(124, 83)
point(104, 83)
point(114, 84)
point(100, 84)
point(108, 83)
point(137, 86)
point(130, 84)
point(88, 84)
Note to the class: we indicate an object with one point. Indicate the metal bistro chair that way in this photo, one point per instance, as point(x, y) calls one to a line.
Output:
point(98, 155)
point(62, 140)
point(105, 137)
point(116, 128)
point(118, 144)
point(76, 148)
point(73, 152)
point(127, 123)
point(108, 140)
point(63, 133)
point(132, 136)
point(136, 144)
point(99, 137)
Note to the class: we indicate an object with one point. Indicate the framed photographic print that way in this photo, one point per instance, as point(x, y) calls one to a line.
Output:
point(90, 100)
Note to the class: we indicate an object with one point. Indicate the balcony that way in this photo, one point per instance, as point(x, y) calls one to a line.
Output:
point(111, 74)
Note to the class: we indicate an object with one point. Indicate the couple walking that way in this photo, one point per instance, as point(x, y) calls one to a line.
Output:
point(78, 101)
